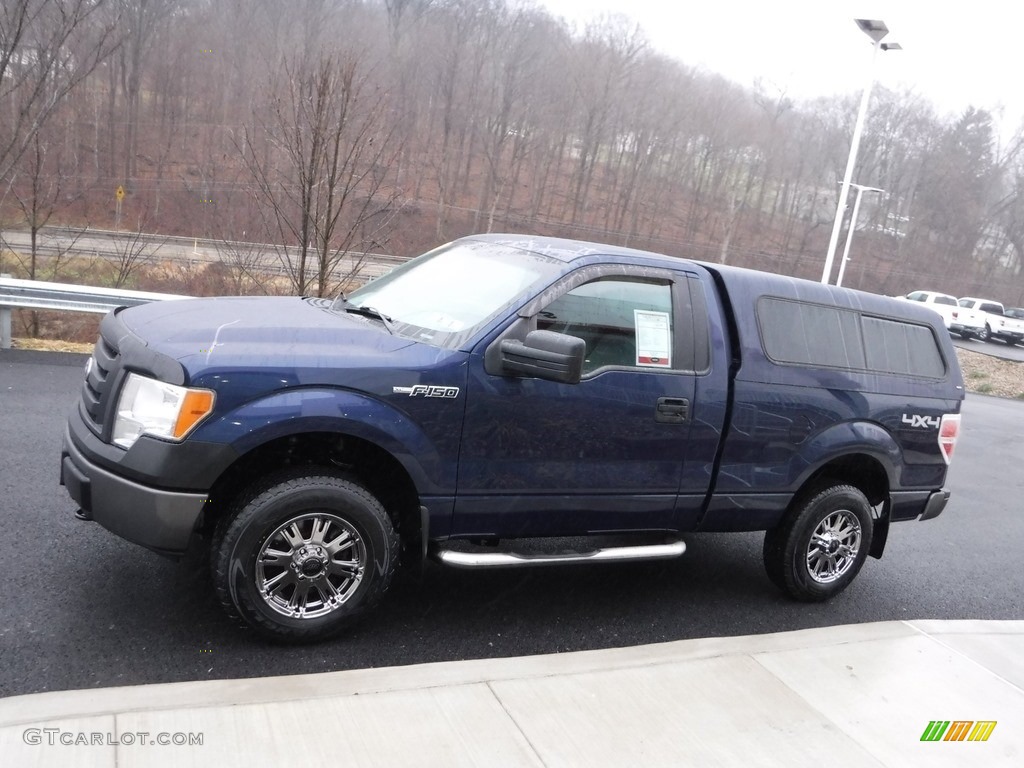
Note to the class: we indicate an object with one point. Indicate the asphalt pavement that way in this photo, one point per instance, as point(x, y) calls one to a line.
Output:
point(82, 609)
point(995, 348)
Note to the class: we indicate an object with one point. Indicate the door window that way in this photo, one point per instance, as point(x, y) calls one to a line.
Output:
point(624, 322)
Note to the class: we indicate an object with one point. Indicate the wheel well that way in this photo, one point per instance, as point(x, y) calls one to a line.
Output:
point(865, 473)
point(858, 470)
point(363, 461)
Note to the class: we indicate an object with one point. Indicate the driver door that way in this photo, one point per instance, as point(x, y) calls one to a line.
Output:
point(543, 458)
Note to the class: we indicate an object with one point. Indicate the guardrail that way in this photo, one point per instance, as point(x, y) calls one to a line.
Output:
point(36, 294)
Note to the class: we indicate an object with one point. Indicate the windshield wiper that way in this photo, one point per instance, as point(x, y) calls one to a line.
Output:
point(374, 313)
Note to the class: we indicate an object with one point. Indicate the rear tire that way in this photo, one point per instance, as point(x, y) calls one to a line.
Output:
point(985, 334)
point(303, 554)
point(821, 543)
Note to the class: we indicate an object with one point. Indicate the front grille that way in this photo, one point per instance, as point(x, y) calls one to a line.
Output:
point(96, 389)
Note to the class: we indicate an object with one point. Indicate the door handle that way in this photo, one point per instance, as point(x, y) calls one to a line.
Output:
point(672, 410)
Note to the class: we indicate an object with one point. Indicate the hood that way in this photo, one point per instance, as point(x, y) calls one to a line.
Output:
point(263, 332)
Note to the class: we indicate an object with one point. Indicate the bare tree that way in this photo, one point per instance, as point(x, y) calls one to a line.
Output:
point(39, 187)
point(402, 11)
point(245, 265)
point(143, 20)
point(513, 49)
point(47, 47)
point(505, 115)
point(38, 197)
point(1010, 213)
point(321, 184)
point(453, 77)
point(610, 50)
point(131, 251)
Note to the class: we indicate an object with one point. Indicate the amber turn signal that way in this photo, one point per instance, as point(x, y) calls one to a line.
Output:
point(197, 405)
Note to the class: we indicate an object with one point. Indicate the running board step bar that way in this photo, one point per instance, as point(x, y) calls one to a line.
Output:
point(461, 559)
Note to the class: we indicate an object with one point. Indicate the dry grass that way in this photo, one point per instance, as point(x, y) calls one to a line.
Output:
point(52, 345)
point(989, 375)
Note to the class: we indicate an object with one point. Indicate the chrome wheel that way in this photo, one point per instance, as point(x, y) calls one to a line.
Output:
point(310, 566)
point(303, 554)
point(822, 542)
point(834, 546)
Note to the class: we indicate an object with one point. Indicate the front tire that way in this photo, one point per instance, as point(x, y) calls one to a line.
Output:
point(985, 334)
point(821, 544)
point(303, 555)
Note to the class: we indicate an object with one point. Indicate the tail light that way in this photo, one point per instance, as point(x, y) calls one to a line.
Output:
point(949, 431)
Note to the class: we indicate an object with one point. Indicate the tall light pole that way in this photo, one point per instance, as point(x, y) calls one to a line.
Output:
point(876, 30)
point(861, 189)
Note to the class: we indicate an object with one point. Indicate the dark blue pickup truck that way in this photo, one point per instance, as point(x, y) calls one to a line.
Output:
point(499, 397)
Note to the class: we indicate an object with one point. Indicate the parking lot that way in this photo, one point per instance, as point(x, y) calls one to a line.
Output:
point(81, 608)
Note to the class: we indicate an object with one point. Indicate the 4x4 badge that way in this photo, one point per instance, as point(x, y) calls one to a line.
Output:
point(422, 390)
point(917, 421)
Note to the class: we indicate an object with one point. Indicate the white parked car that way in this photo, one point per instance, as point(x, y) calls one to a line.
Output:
point(998, 324)
point(964, 321)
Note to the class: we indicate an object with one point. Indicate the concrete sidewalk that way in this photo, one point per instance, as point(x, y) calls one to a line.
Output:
point(859, 695)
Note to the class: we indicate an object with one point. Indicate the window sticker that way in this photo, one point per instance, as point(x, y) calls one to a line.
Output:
point(653, 339)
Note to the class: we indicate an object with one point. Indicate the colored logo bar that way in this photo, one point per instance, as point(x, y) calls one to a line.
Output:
point(958, 730)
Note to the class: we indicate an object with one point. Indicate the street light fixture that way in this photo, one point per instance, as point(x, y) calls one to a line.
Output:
point(861, 189)
point(876, 30)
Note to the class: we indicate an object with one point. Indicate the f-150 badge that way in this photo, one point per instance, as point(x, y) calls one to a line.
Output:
point(422, 390)
point(917, 421)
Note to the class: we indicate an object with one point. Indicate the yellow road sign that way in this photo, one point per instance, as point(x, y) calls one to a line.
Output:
point(120, 193)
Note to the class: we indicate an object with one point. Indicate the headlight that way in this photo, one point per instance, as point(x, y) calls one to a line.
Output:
point(150, 407)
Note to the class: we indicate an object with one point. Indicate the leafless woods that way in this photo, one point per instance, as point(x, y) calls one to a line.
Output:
point(329, 129)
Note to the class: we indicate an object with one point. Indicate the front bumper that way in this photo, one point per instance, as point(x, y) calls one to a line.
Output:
point(157, 519)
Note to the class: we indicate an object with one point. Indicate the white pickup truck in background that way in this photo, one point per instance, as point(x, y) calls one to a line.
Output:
point(998, 325)
point(964, 321)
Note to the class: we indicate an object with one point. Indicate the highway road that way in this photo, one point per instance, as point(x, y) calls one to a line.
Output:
point(80, 608)
point(107, 244)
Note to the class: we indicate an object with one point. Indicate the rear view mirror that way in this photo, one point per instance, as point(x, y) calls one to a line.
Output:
point(545, 355)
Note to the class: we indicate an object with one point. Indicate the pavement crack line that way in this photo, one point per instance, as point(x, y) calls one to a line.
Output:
point(936, 639)
point(821, 715)
point(510, 716)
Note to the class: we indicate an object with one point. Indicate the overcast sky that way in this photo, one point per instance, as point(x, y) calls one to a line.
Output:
point(955, 53)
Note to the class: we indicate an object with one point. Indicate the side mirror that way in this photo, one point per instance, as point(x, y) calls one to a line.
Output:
point(545, 355)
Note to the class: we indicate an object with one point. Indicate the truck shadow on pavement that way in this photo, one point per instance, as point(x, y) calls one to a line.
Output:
point(151, 620)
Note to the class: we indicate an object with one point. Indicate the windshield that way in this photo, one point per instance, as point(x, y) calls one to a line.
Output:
point(448, 294)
